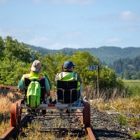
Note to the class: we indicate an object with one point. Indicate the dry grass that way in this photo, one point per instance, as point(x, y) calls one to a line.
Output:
point(122, 105)
point(107, 94)
point(4, 113)
point(6, 100)
point(127, 107)
point(3, 127)
point(53, 95)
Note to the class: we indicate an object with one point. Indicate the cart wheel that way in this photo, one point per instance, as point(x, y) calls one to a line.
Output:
point(13, 114)
point(86, 114)
point(19, 111)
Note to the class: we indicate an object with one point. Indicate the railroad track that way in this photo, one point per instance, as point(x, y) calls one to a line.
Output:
point(13, 132)
point(102, 126)
point(75, 125)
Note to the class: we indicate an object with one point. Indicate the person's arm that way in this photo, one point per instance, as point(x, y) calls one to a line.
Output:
point(79, 78)
point(47, 94)
point(57, 77)
point(47, 86)
point(21, 85)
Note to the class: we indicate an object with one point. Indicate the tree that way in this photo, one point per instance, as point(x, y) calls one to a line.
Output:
point(127, 74)
point(52, 64)
point(107, 78)
point(12, 71)
point(1, 48)
point(20, 51)
point(82, 61)
point(138, 75)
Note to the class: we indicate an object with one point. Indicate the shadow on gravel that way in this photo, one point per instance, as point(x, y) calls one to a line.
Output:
point(110, 134)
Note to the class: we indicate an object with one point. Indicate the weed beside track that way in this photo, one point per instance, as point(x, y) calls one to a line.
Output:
point(104, 126)
point(52, 127)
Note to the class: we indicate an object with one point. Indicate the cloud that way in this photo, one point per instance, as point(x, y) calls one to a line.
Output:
point(127, 15)
point(76, 1)
point(36, 1)
point(104, 18)
point(67, 1)
point(58, 46)
point(13, 32)
point(3, 33)
point(41, 25)
point(39, 41)
point(113, 40)
point(3, 1)
point(71, 36)
point(128, 28)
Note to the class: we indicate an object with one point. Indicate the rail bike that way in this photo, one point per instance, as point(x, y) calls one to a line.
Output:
point(66, 95)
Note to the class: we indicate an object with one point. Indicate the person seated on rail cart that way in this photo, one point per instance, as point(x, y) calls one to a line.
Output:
point(35, 74)
point(67, 74)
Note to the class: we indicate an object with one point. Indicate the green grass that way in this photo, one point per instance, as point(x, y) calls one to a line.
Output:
point(133, 87)
point(136, 135)
point(132, 82)
point(121, 119)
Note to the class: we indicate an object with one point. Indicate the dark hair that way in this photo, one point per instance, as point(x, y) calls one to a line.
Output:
point(62, 68)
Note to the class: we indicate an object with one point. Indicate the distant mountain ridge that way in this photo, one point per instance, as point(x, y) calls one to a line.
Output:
point(107, 54)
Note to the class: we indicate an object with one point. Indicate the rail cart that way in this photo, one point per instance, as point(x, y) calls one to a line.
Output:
point(66, 93)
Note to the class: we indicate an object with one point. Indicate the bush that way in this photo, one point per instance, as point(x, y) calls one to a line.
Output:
point(121, 119)
point(136, 135)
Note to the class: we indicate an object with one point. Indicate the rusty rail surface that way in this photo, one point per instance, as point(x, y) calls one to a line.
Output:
point(88, 129)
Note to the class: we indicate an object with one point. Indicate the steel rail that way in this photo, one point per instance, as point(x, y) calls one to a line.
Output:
point(88, 129)
point(13, 130)
point(90, 133)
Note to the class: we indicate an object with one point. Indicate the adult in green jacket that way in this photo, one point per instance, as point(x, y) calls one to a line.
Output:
point(35, 74)
point(68, 74)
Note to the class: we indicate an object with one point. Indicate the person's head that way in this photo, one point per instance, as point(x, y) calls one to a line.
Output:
point(68, 66)
point(36, 66)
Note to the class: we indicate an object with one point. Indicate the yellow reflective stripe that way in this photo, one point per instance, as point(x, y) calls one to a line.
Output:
point(33, 76)
point(66, 76)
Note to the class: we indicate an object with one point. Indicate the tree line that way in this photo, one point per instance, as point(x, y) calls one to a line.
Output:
point(127, 68)
point(125, 61)
point(106, 54)
point(16, 59)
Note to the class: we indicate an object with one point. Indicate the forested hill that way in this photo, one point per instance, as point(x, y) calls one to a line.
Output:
point(107, 54)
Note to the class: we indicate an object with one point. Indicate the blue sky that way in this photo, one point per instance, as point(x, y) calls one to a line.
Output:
point(57, 24)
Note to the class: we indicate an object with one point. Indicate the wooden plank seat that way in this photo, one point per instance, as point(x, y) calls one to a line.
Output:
point(67, 91)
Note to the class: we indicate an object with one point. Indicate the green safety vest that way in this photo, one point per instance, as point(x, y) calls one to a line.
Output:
point(69, 76)
point(34, 89)
point(33, 76)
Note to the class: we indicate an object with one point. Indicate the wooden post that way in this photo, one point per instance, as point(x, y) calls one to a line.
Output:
point(98, 92)
point(95, 67)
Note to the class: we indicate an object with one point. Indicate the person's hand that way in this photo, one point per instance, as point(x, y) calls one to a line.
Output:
point(47, 96)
